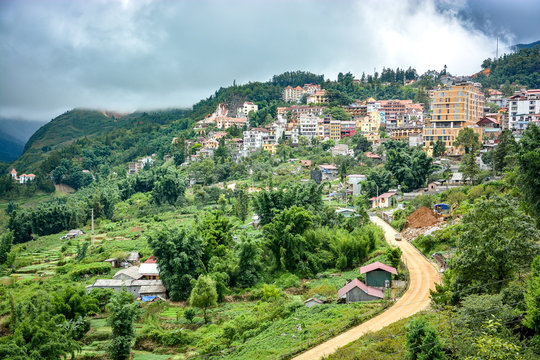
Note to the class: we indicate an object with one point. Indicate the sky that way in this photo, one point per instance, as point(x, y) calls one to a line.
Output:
point(125, 55)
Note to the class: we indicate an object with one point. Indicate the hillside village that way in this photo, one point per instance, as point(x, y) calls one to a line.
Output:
point(265, 225)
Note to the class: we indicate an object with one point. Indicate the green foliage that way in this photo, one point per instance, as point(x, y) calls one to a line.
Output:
point(505, 151)
point(215, 232)
point(529, 170)
point(422, 341)
point(179, 253)
point(169, 187)
point(6, 241)
point(266, 203)
point(439, 148)
point(497, 241)
point(532, 298)
point(489, 346)
point(249, 262)
point(469, 167)
point(189, 314)
point(393, 255)
point(123, 312)
point(81, 251)
point(90, 269)
point(73, 303)
point(204, 294)
point(410, 167)
point(468, 140)
point(241, 205)
point(518, 68)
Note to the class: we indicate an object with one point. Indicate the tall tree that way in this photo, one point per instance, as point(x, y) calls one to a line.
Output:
point(6, 241)
point(505, 150)
point(529, 170)
point(467, 139)
point(123, 312)
point(204, 294)
point(439, 149)
point(179, 253)
point(249, 262)
point(469, 167)
point(532, 298)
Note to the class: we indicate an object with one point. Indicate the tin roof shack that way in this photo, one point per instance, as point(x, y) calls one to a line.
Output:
point(311, 302)
point(137, 287)
point(72, 234)
point(356, 291)
point(377, 274)
point(131, 273)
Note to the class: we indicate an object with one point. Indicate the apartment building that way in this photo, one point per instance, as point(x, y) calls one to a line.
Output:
point(317, 98)
point(523, 108)
point(291, 94)
point(246, 108)
point(453, 109)
point(308, 125)
point(254, 139)
point(348, 128)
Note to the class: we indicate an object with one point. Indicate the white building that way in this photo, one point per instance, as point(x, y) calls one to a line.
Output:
point(291, 94)
point(254, 139)
point(245, 109)
point(356, 181)
point(523, 108)
point(308, 125)
point(342, 149)
point(24, 178)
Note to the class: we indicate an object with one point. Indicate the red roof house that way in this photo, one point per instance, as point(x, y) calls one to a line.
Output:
point(356, 290)
point(378, 273)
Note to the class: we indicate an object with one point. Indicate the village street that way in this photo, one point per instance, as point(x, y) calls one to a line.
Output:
point(422, 278)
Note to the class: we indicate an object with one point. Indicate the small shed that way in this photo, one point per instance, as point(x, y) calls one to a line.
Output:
point(346, 212)
point(131, 273)
point(377, 274)
point(311, 302)
point(356, 291)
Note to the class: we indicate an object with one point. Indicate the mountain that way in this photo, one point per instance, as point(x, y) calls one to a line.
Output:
point(20, 129)
point(10, 147)
point(65, 129)
point(518, 47)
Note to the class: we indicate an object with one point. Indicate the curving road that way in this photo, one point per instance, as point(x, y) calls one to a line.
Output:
point(423, 277)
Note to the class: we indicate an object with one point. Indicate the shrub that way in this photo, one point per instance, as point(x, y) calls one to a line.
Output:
point(287, 280)
point(90, 269)
point(326, 289)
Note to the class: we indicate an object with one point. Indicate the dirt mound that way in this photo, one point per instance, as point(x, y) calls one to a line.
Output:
point(421, 218)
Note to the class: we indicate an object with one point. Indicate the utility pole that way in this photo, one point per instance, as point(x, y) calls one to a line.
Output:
point(92, 226)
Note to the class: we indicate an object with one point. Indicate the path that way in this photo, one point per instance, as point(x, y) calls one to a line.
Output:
point(422, 278)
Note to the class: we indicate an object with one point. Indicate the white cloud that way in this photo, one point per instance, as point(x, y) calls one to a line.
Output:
point(127, 55)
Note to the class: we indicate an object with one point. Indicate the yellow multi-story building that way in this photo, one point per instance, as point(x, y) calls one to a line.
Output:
point(452, 109)
point(335, 130)
point(369, 124)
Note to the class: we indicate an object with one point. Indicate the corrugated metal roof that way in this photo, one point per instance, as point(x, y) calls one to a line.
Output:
point(376, 266)
point(357, 283)
point(149, 269)
point(131, 272)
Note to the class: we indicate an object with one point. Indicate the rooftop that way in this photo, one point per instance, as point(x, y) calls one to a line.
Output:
point(378, 266)
point(357, 283)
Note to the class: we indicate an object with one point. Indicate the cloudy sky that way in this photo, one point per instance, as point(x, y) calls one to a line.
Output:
point(142, 54)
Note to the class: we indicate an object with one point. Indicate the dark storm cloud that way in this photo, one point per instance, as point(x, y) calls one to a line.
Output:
point(127, 55)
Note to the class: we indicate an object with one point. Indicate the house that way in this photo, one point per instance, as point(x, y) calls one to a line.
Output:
point(138, 288)
point(378, 273)
point(317, 98)
point(24, 178)
point(433, 186)
point(371, 155)
point(130, 273)
point(346, 212)
point(150, 269)
point(523, 107)
point(328, 171)
point(311, 302)
point(356, 181)
point(356, 291)
point(72, 234)
point(383, 200)
point(254, 139)
point(14, 174)
point(246, 108)
point(305, 163)
point(341, 149)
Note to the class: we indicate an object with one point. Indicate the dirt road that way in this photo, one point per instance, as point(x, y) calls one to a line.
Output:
point(422, 278)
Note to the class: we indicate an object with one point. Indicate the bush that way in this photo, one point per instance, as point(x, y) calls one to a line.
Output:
point(287, 280)
point(398, 224)
point(90, 269)
point(326, 289)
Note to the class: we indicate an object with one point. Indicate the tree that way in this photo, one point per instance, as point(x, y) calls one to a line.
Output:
point(189, 314)
point(249, 263)
point(529, 170)
point(284, 237)
point(468, 139)
point(490, 346)
point(532, 298)
point(469, 167)
point(422, 341)
point(122, 314)
point(6, 241)
point(393, 255)
point(505, 150)
point(169, 187)
point(497, 240)
point(179, 253)
point(203, 294)
point(241, 205)
point(439, 148)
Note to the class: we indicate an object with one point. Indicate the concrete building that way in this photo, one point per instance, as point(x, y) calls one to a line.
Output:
point(348, 128)
point(254, 139)
point(317, 98)
point(311, 302)
point(356, 291)
point(523, 108)
point(291, 94)
point(341, 149)
point(246, 108)
point(308, 125)
point(138, 288)
point(328, 171)
point(355, 180)
point(453, 109)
